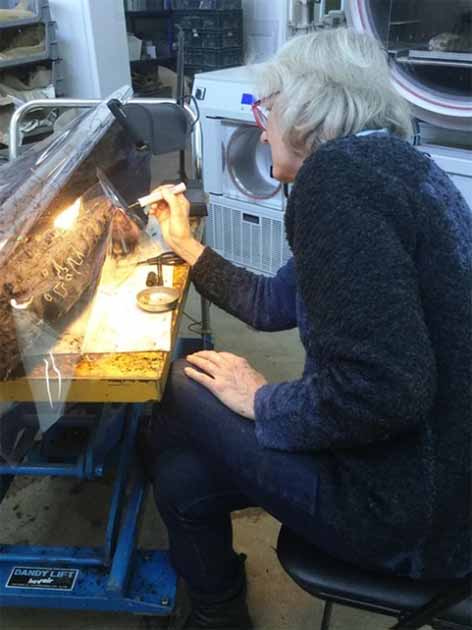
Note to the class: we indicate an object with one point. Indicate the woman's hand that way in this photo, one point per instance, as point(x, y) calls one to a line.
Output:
point(229, 377)
point(173, 216)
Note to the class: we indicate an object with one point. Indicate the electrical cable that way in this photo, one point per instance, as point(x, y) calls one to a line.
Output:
point(192, 319)
point(191, 98)
point(197, 109)
point(193, 328)
point(166, 258)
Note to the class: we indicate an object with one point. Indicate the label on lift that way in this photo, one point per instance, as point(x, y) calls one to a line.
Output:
point(42, 578)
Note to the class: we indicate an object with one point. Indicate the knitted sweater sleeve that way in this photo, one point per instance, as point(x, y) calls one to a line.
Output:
point(375, 367)
point(264, 303)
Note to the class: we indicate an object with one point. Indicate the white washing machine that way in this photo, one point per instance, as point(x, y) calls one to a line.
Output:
point(247, 204)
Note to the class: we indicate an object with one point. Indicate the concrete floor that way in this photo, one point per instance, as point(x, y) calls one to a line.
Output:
point(61, 512)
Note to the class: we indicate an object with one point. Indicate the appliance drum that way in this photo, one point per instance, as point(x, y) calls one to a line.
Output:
point(249, 163)
point(430, 44)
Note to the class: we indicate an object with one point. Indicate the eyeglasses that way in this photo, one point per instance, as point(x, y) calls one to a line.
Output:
point(261, 113)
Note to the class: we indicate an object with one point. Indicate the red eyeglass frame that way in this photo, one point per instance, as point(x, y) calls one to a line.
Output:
point(259, 116)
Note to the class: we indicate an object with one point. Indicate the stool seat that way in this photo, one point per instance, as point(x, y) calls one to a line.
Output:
point(328, 578)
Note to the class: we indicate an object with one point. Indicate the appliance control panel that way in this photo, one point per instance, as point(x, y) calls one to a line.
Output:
point(247, 99)
point(225, 94)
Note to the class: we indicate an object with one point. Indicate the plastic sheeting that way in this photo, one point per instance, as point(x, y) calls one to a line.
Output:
point(55, 234)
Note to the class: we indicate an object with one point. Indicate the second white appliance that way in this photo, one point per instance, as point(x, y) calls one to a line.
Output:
point(247, 204)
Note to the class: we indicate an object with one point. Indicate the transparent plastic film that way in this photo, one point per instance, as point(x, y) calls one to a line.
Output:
point(117, 324)
point(59, 234)
point(79, 303)
point(48, 287)
point(19, 428)
point(24, 199)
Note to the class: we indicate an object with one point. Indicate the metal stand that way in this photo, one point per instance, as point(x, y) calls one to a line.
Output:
point(328, 607)
point(206, 332)
point(67, 103)
point(116, 577)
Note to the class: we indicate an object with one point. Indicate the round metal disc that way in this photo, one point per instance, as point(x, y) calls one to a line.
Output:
point(158, 299)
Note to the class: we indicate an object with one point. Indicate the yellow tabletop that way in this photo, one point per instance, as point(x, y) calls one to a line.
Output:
point(130, 377)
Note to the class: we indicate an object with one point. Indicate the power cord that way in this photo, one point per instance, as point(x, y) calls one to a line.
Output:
point(191, 99)
point(166, 258)
point(195, 326)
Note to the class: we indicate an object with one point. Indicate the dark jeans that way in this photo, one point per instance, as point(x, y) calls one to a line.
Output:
point(204, 462)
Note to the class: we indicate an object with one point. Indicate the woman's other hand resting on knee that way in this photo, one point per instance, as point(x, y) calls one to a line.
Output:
point(229, 377)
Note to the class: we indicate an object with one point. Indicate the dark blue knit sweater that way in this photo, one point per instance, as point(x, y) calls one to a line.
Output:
point(380, 287)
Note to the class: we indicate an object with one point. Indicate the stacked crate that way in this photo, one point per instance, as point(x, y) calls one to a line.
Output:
point(27, 44)
point(213, 33)
point(33, 21)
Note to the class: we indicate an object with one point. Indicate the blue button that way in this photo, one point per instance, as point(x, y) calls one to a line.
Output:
point(247, 99)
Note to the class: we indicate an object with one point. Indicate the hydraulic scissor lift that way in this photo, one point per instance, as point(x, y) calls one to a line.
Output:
point(116, 576)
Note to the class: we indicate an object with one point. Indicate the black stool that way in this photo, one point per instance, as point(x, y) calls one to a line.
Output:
point(445, 605)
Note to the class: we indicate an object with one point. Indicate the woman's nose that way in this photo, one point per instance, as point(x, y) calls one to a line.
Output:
point(264, 138)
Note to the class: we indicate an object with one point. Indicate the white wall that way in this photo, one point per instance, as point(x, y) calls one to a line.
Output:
point(93, 43)
point(265, 27)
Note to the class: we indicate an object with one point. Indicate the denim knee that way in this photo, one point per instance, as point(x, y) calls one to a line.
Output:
point(178, 383)
point(184, 484)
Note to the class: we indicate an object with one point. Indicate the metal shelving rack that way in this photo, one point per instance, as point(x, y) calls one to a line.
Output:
point(164, 14)
point(213, 37)
point(132, 16)
point(213, 33)
point(48, 57)
point(152, 14)
point(50, 53)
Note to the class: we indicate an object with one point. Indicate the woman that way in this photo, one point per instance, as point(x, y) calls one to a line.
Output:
point(367, 455)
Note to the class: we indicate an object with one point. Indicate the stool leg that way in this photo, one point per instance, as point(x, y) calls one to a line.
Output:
point(326, 615)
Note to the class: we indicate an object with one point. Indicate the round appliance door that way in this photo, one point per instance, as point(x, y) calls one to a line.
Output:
point(249, 164)
point(430, 44)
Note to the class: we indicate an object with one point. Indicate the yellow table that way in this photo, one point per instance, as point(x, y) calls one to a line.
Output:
point(132, 377)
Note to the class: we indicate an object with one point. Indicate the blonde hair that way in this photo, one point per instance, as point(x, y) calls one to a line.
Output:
point(329, 84)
